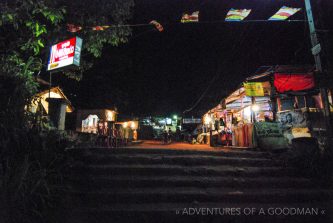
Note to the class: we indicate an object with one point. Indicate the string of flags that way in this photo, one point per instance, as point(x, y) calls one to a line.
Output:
point(194, 17)
point(233, 15)
point(284, 13)
point(157, 25)
point(237, 14)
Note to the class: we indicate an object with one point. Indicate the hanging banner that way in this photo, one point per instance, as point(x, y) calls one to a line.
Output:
point(100, 28)
point(284, 13)
point(194, 17)
point(73, 28)
point(293, 82)
point(236, 15)
point(65, 53)
point(254, 89)
point(290, 119)
point(157, 25)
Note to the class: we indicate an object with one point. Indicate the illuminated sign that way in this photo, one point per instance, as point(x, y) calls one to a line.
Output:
point(65, 53)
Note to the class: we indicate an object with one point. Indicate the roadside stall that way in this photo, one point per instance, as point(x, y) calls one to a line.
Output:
point(268, 110)
point(235, 116)
point(91, 120)
point(129, 130)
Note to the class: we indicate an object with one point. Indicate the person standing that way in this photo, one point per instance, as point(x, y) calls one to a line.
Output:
point(177, 134)
point(169, 135)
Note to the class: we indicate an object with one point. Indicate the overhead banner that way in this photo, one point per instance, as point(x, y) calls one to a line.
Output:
point(73, 28)
point(157, 25)
point(284, 13)
point(293, 82)
point(254, 89)
point(194, 17)
point(65, 53)
point(236, 15)
point(100, 28)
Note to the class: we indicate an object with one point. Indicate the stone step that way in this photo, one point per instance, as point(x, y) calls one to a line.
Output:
point(150, 185)
point(186, 160)
point(93, 182)
point(209, 212)
point(179, 170)
point(128, 151)
point(191, 194)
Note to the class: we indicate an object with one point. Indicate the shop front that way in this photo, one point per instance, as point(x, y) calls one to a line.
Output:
point(268, 110)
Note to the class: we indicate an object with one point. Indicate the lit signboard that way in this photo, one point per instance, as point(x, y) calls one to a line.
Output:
point(65, 53)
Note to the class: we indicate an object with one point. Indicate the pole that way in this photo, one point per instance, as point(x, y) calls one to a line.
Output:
point(316, 48)
point(50, 86)
point(253, 114)
point(211, 144)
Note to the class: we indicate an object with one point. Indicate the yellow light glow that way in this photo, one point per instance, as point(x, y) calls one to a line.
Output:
point(255, 108)
point(133, 126)
point(125, 124)
point(247, 111)
point(207, 119)
point(110, 116)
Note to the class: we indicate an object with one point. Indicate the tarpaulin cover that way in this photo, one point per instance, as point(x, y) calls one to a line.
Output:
point(293, 82)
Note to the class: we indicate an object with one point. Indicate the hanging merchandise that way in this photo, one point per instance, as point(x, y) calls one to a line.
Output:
point(284, 13)
point(194, 17)
point(236, 15)
point(158, 26)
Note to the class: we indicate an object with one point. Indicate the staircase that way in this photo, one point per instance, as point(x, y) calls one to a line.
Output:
point(156, 185)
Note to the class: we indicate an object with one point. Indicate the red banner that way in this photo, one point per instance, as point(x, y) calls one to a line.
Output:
point(293, 82)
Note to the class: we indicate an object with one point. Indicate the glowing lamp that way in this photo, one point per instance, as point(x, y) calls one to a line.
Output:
point(110, 116)
point(247, 111)
point(255, 108)
point(133, 126)
point(168, 121)
point(207, 119)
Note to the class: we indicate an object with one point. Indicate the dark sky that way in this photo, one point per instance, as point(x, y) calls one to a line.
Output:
point(165, 73)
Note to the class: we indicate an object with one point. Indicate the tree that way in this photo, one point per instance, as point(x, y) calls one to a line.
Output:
point(23, 25)
point(29, 27)
point(104, 12)
point(31, 162)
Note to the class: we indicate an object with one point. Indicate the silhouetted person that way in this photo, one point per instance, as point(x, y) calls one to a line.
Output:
point(169, 135)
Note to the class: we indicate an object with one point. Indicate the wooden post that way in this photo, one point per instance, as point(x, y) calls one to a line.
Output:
point(316, 48)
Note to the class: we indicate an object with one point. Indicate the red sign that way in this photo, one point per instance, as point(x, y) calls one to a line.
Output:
point(65, 53)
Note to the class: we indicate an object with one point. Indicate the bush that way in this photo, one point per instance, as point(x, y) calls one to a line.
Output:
point(31, 166)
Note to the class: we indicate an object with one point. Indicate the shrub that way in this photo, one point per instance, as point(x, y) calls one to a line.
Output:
point(31, 166)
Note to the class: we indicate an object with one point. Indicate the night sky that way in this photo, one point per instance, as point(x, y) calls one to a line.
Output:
point(165, 73)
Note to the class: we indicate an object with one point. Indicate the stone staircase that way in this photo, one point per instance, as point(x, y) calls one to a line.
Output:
point(156, 185)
